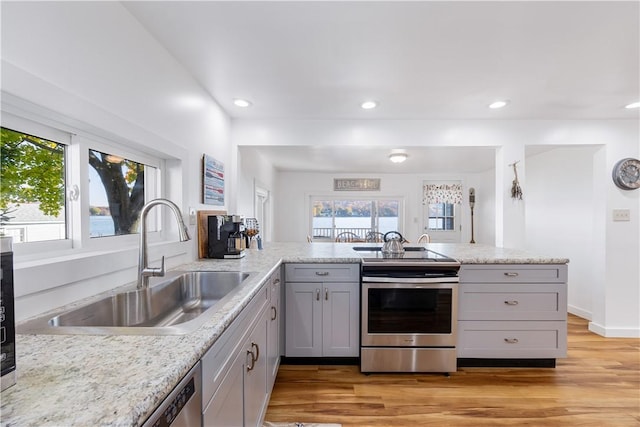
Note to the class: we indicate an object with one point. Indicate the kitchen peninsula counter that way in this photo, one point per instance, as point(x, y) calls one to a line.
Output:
point(118, 380)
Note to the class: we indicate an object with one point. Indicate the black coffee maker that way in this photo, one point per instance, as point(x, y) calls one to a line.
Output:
point(226, 237)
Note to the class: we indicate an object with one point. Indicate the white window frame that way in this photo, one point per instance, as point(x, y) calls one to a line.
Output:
point(356, 196)
point(443, 236)
point(77, 144)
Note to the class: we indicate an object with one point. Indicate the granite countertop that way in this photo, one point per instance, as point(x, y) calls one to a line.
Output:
point(81, 380)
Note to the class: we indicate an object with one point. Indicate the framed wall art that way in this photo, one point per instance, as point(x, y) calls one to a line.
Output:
point(212, 181)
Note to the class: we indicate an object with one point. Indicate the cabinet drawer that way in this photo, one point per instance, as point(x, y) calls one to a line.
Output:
point(509, 340)
point(517, 273)
point(517, 302)
point(322, 272)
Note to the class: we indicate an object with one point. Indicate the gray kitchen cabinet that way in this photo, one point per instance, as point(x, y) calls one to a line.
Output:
point(512, 311)
point(322, 310)
point(239, 369)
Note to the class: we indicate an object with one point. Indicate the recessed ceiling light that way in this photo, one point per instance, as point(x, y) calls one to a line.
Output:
point(368, 105)
point(243, 103)
point(633, 105)
point(498, 104)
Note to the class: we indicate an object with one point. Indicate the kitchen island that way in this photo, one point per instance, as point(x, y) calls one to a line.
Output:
point(119, 380)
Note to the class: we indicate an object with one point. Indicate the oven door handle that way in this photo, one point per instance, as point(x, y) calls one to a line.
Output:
point(411, 280)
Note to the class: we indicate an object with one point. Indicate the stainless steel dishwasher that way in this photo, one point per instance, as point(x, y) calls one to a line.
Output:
point(183, 406)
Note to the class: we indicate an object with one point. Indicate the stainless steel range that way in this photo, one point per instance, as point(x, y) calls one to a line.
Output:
point(409, 311)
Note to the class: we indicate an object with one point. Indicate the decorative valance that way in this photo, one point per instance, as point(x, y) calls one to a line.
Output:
point(442, 193)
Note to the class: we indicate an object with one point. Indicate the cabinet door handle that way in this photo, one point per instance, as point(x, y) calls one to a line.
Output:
point(253, 361)
point(326, 294)
point(274, 313)
point(322, 273)
point(511, 340)
point(511, 302)
point(511, 274)
point(257, 347)
point(276, 281)
point(317, 294)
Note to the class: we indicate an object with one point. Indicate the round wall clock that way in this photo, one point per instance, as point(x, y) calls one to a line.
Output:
point(626, 174)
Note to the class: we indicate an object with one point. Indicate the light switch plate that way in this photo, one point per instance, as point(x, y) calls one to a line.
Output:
point(621, 215)
point(192, 216)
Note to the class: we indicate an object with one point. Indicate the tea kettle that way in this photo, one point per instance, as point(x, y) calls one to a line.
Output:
point(392, 247)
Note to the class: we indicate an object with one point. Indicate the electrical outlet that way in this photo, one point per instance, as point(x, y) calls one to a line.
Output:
point(621, 215)
point(192, 216)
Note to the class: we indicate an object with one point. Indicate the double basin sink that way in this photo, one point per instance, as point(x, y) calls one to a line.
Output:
point(178, 304)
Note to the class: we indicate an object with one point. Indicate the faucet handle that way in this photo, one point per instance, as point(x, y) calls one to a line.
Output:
point(155, 271)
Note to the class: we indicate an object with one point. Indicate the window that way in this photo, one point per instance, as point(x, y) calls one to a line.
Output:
point(441, 216)
point(442, 201)
point(32, 182)
point(45, 204)
point(116, 194)
point(330, 217)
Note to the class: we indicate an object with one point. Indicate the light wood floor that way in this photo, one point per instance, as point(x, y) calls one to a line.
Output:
point(598, 384)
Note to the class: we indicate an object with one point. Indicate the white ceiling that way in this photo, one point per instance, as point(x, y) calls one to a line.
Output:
point(420, 60)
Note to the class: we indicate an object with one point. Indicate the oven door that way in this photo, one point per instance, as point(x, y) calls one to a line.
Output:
point(397, 314)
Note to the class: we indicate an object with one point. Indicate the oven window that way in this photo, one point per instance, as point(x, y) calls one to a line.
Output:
point(415, 311)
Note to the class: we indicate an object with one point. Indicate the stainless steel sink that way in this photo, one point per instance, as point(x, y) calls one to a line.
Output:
point(175, 305)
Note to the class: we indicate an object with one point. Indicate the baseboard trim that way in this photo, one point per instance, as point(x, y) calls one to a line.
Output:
point(613, 332)
point(584, 314)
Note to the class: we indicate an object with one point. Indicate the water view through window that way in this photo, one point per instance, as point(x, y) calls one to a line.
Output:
point(361, 217)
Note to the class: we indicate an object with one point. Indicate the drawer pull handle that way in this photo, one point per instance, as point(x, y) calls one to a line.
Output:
point(275, 313)
point(511, 340)
point(322, 273)
point(253, 361)
point(511, 274)
point(257, 347)
point(512, 302)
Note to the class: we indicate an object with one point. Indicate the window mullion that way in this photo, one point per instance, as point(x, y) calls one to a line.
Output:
point(78, 172)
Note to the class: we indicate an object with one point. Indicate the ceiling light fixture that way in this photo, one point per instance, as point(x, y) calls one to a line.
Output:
point(498, 104)
point(632, 105)
point(398, 156)
point(243, 103)
point(369, 105)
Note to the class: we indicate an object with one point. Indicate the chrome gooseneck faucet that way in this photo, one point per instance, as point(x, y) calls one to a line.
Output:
point(144, 272)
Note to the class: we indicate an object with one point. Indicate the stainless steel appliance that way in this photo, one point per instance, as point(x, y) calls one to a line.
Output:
point(226, 237)
point(409, 311)
point(7, 318)
point(183, 406)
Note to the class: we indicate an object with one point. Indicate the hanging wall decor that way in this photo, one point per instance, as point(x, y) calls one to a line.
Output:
point(516, 191)
point(212, 181)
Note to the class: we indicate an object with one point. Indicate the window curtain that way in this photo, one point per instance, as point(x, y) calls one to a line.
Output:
point(442, 193)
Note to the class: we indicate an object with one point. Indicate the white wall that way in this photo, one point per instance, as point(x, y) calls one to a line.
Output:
point(93, 63)
point(293, 191)
point(254, 170)
point(560, 211)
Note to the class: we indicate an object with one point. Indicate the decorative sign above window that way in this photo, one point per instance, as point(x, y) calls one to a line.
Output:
point(356, 184)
